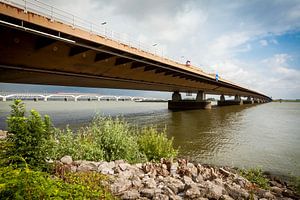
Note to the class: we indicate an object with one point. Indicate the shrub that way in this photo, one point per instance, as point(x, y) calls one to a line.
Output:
point(156, 145)
point(80, 146)
point(27, 134)
point(255, 175)
point(116, 138)
point(23, 183)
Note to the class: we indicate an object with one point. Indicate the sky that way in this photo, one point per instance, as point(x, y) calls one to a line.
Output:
point(253, 43)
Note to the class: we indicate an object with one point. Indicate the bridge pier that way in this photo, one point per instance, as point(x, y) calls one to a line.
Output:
point(237, 101)
point(178, 104)
point(248, 101)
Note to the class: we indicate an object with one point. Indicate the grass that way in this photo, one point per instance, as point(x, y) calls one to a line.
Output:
point(255, 175)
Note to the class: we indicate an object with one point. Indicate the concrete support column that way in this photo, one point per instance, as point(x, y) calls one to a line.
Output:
point(200, 96)
point(4, 99)
point(222, 98)
point(237, 98)
point(249, 99)
point(176, 96)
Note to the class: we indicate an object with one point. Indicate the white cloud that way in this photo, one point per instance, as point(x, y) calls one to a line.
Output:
point(263, 43)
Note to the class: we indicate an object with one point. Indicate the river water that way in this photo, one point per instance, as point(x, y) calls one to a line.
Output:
point(264, 135)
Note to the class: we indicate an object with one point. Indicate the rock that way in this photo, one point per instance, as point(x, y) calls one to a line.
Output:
point(131, 194)
point(87, 166)
point(149, 182)
point(139, 165)
point(126, 174)
point(236, 192)
point(288, 193)
point(192, 192)
point(147, 192)
point(160, 197)
point(198, 179)
point(136, 181)
point(275, 183)
point(276, 190)
point(187, 180)
point(224, 172)
point(268, 195)
point(66, 160)
point(215, 192)
point(124, 166)
point(241, 181)
point(174, 184)
point(106, 168)
point(173, 168)
point(213, 175)
point(120, 185)
point(73, 168)
point(226, 197)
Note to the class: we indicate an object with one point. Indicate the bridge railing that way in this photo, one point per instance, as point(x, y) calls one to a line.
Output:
point(55, 14)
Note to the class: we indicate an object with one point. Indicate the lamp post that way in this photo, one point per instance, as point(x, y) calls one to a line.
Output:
point(103, 24)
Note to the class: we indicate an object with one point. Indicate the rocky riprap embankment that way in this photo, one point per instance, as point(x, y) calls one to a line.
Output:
point(176, 180)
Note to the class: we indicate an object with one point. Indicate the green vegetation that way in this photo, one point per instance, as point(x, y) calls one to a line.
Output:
point(23, 183)
point(27, 134)
point(156, 145)
point(255, 175)
point(33, 140)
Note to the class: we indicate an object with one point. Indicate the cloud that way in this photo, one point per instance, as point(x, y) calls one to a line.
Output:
point(263, 43)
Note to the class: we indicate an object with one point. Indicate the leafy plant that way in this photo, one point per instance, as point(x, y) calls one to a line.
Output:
point(156, 145)
point(255, 175)
point(27, 134)
point(23, 183)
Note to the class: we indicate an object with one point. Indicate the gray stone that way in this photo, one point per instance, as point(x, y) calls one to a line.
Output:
point(124, 166)
point(236, 192)
point(224, 172)
point(268, 195)
point(187, 180)
point(226, 197)
point(73, 168)
point(120, 185)
point(160, 197)
point(174, 184)
point(136, 181)
point(84, 167)
point(147, 192)
point(173, 169)
point(149, 183)
point(126, 174)
point(215, 192)
point(66, 160)
point(276, 190)
point(131, 194)
point(192, 192)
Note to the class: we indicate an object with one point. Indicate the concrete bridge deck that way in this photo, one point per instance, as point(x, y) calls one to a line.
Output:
point(41, 48)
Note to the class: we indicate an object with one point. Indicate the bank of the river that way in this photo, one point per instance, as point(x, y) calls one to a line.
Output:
point(177, 180)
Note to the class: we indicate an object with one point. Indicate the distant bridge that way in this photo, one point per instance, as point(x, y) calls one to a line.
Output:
point(73, 97)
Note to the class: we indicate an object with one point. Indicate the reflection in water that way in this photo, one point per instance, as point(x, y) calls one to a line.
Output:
point(266, 135)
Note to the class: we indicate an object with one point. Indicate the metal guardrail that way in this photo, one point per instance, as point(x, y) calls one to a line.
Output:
point(55, 14)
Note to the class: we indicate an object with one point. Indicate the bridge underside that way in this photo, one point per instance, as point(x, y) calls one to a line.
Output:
point(36, 51)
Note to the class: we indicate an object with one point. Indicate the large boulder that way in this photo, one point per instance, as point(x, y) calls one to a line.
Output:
point(66, 160)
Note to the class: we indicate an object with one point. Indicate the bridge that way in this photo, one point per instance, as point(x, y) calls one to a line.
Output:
point(73, 97)
point(40, 44)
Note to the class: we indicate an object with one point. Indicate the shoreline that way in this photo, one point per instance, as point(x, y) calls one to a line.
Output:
point(177, 180)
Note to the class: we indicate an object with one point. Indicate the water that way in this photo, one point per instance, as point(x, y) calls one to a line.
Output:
point(265, 135)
